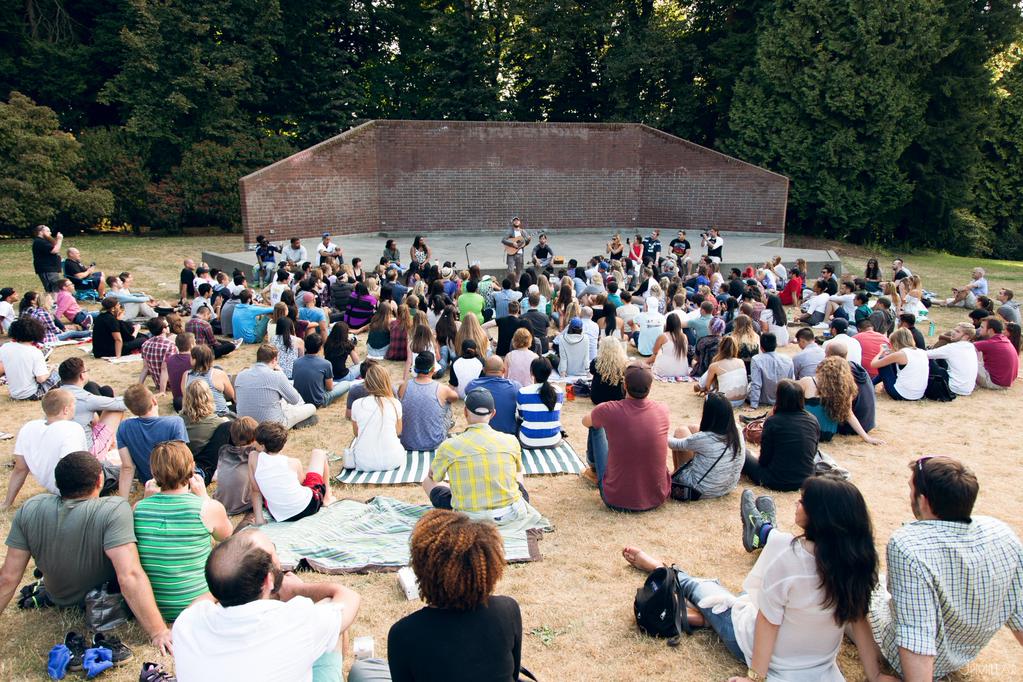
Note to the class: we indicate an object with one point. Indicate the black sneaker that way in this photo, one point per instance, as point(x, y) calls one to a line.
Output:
point(76, 645)
point(119, 653)
point(154, 672)
point(751, 521)
point(765, 505)
point(306, 423)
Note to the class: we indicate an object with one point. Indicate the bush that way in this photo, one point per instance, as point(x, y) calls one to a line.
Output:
point(112, 162)
point(969, 235)
point(38, 163)
point(208, 175)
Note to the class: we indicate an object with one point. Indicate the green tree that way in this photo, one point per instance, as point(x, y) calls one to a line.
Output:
point(554, 59)
point(193, 71)
point(998, 195)
point(60, 54)
point(943, 161)
point(832, 101)
point(111, 161)
point(331, 70)
point(723, 35)
point(446, 64)
point(207, 179)
point(37, 162)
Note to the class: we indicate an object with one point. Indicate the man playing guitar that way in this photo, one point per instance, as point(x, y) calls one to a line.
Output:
point(515, 242)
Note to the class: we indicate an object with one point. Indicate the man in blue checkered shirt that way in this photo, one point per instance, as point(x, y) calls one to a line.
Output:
point(954, 579)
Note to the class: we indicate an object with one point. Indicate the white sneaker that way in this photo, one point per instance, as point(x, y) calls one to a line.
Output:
point(821, 325)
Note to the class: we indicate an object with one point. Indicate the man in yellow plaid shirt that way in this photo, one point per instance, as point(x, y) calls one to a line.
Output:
point(483, 466)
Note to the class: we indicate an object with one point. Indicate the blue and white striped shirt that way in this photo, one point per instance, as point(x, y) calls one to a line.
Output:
point(541, 428)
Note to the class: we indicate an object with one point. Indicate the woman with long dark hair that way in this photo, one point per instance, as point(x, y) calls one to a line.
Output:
point(872, 276)
point(774, 320)
point(803, 591)
point(446, 331)
point(712, 454)
point(609, 322)
point(467, 367)
point(420, 251)
point(289, 346)
point(788, 444)
point(670, 358)
point(539, 408)
point(339, 349)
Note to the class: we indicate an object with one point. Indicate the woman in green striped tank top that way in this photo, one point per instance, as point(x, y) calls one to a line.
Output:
point(173, 525)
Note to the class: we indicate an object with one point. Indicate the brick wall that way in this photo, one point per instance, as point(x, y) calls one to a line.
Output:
point(405, 176)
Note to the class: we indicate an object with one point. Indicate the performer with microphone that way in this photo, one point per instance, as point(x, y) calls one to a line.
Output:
point(515, 242)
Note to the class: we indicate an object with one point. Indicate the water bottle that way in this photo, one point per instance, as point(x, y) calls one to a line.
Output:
point(930, 330)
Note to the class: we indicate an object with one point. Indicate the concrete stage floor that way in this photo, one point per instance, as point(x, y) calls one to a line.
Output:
point(485, 248)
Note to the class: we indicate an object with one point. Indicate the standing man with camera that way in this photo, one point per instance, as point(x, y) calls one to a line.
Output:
point(515, 241)
point(46, 256)
point(714, 243)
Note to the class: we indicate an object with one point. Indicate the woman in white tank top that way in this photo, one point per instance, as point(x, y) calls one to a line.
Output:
point(903, 368)
point(670, 358)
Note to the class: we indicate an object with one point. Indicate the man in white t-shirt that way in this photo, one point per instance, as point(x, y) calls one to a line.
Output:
point(327, 249)
point(627, 312)
point(265, 624)
point(28, 377)
point(961, 358)
point(649, 324)
point(816, 308)
point(295, 252)
point(839, 334)
point(43, 442)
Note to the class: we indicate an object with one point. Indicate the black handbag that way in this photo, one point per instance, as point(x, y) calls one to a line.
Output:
point(683, 492)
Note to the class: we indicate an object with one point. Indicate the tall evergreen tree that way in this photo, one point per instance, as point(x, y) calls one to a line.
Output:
point(833, 102)
point(194, 71)
point(998, 195)
point(943, 160)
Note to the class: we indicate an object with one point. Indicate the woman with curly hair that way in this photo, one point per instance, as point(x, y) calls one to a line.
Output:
point(458, 562)
point(830, 395)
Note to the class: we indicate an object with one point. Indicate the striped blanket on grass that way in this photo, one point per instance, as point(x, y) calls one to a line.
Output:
point(561, 459)
point(361, 537)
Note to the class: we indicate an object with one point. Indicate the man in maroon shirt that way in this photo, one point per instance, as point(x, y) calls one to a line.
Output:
point(632, 472)
point(999, 360)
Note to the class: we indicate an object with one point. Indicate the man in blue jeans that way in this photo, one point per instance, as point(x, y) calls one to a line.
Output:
point(631, 458)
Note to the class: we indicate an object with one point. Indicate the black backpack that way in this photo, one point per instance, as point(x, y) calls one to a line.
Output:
point(660, 607)
point(937, 382)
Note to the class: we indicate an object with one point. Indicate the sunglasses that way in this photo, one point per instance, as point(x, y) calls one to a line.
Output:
point(918, 474)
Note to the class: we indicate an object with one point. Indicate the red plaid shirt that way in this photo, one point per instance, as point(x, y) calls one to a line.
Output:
point(202, 331)
point(154, 352)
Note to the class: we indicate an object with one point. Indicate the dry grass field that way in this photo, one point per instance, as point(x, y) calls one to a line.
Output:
point(577, 602)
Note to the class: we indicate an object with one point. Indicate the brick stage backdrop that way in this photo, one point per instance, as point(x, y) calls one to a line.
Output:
point(443, 176)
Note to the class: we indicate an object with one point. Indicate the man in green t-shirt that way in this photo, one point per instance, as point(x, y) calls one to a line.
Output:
point(80, 541)
point(471, 302)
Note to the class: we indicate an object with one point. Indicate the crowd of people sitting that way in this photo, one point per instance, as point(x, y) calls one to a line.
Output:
point(506, 353)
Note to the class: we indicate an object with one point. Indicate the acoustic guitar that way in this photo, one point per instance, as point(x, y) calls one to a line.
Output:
point(518, 242)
